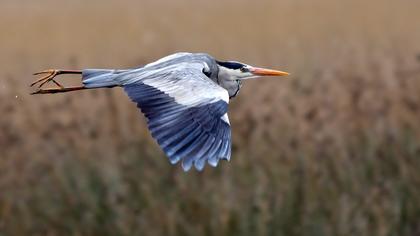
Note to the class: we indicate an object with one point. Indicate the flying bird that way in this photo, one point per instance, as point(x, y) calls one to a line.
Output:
point(184, 97)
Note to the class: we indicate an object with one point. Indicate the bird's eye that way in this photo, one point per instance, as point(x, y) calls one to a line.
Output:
point(244, 69)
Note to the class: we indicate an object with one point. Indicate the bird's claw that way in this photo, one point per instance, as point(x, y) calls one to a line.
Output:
point(38, 91)
point(50, 75)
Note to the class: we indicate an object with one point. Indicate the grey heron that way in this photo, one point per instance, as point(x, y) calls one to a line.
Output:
point(184, 97)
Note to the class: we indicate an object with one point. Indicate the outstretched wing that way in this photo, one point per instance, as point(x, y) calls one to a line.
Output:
point(186, 112)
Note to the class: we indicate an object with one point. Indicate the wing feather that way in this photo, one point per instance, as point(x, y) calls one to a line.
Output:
point(186, 113)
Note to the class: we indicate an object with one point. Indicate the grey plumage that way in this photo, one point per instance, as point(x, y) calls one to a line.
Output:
point(186, 109)
point(184, 97)
point(108, 78)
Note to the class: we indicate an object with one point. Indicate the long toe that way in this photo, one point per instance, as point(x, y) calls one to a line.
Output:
point(45, 79)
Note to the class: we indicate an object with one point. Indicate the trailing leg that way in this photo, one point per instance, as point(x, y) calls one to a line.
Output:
point(58, 90)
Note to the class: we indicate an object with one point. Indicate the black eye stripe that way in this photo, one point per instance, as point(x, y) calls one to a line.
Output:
point(231, 64)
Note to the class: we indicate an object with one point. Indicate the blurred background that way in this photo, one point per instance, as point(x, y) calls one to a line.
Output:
point(334, 150)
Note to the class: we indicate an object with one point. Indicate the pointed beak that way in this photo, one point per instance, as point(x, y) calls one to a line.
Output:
point(267, 72)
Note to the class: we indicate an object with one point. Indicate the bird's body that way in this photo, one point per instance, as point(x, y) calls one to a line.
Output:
point(178, 62)
point(184, 97)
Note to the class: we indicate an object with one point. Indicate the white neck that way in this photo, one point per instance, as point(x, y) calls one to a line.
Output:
point(230, 80)
point(228, 74)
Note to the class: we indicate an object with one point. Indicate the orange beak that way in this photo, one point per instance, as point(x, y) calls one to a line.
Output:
point(267, 72)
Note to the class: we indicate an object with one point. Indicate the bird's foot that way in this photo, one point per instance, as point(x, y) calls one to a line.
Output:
point(49, 76)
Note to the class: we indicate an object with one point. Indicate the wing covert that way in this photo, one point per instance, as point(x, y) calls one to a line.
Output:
point(186, 113)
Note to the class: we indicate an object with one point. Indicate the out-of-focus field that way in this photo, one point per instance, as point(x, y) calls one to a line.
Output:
point(334, 150)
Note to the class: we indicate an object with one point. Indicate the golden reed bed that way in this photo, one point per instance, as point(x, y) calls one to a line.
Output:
point(333, 151)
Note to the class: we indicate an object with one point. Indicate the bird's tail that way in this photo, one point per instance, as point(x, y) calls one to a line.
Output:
point(100, 78)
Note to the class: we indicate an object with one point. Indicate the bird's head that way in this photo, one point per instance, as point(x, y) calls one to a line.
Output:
point(233, 70)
